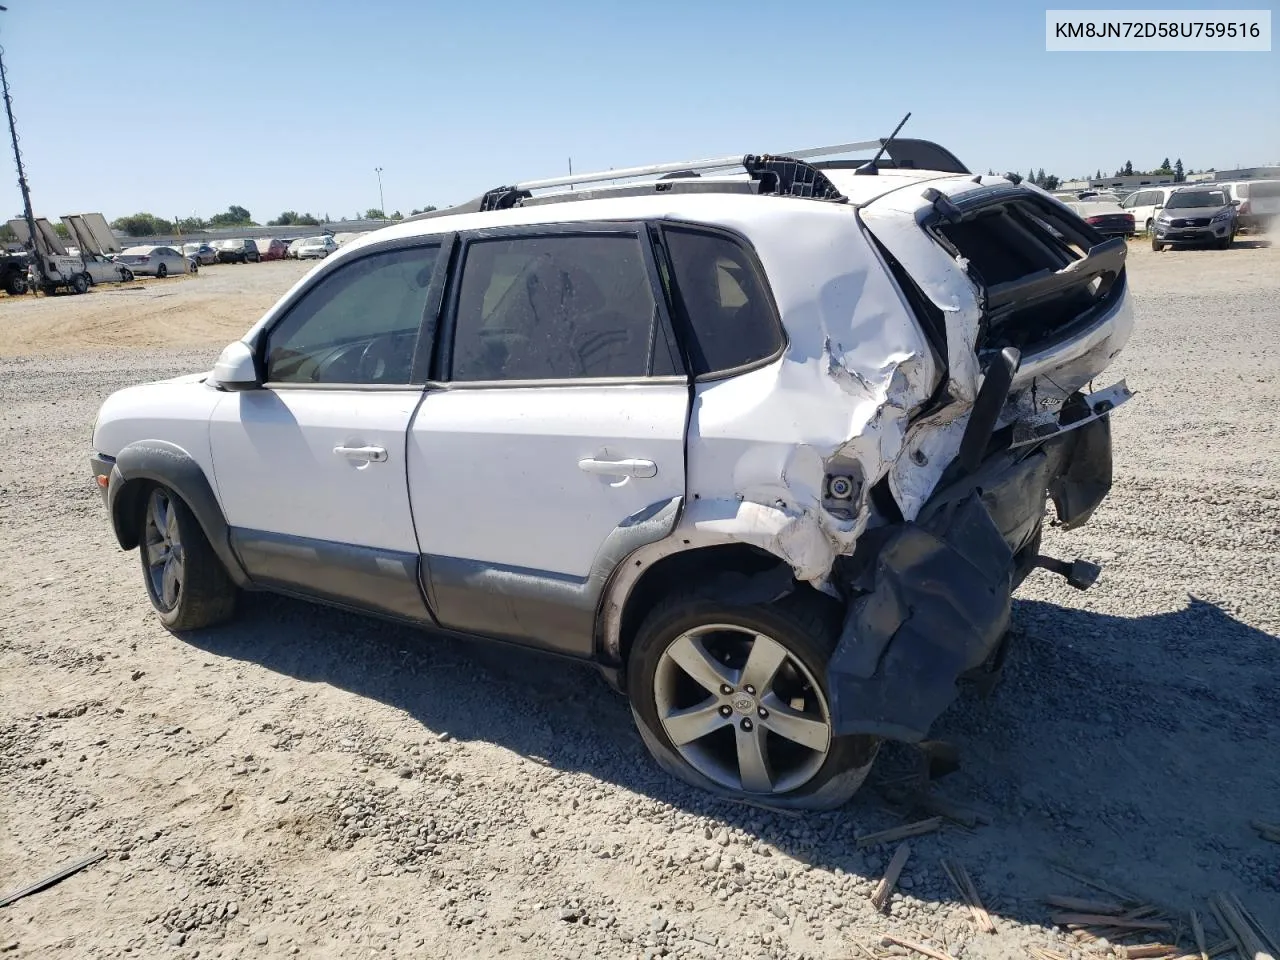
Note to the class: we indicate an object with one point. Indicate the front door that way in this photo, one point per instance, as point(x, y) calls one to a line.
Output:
point(311, 470)
point(556, 444)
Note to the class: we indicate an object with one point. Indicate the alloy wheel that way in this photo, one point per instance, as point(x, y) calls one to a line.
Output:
point(166, 559)
point(741, 709)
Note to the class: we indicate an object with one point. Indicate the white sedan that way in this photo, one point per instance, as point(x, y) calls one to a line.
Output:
point(318, 247)
point(154, 261)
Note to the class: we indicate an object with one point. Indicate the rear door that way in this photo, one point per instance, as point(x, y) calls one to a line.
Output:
point(552, 442)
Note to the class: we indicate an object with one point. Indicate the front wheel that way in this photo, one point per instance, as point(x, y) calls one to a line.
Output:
point(1156, 245)
point(79, 283)
point(733, 699)
point(17, 285)
point(126, 275)
point(162, 271)
point(185, 580)
point(1225, 242)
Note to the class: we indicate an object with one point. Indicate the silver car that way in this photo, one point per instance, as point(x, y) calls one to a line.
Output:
point(317, 247)
point(154, 261)
point(1194, 216)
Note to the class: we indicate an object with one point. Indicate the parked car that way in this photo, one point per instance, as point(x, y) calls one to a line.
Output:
point(1195, 216)
point(153, 261)
point(237, 251)
point(294, 247)
point(1144, 204)
point(784, 527)
point(203, 253)
point(99, 268)
point(1257, 203)
point(1108, 218)
point(270, 249)
point(316, 247)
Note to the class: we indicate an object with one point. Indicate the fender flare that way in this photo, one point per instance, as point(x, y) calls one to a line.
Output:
point(166, 463)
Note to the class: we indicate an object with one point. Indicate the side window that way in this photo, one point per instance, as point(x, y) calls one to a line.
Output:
point(359, 324)
point(554, 307)
point(732, 321)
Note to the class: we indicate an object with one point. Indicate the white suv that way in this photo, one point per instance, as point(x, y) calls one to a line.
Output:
point(772, 447)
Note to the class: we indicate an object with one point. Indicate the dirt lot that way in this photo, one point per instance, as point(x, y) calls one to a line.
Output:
point(307, 782)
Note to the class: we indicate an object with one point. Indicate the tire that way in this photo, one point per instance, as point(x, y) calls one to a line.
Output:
point(16, 285)
point(188, 586)
point(126, 275)
point(89, 279)
point(1156, 245)
point(1225, 242)
point(162, 271)
point(802, 630)
point(79, 283)
point(1150, 227)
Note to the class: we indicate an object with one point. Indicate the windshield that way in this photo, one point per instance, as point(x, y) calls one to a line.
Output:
point(1197, 198)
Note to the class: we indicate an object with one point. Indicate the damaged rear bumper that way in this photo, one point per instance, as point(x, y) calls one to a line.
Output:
point(931, 598)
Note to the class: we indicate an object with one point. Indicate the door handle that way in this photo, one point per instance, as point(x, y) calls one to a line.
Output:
point(619, 468)
point(370, 454)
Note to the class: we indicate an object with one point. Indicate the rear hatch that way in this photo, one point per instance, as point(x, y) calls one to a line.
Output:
point(994, 265)
point(1264, 198)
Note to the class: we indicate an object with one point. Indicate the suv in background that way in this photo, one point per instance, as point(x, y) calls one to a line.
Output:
point(772, 447)
point(1145, 204)
point(1257, 203)
point(1195, 216)
point(237, 251)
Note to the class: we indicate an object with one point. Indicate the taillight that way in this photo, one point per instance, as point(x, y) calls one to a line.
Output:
point(1093, 220)
point(1243, 208)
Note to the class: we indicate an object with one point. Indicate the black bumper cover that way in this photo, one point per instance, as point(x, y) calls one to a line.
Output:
point(934, 601)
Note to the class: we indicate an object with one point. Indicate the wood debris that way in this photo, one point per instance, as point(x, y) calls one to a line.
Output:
point(1097, 920)
point(1268, 831)
point(1084, 906)
point(1251, 941)
point(1197, 931)
point(899, 833)
point(1042, 953)
point(1123, 896)
point(1218, 949)
point(918, 947)
point(1146, 951)
point(890, 879)
point(963, 883)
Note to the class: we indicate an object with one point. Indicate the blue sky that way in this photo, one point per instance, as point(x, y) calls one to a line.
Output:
point(186, 108)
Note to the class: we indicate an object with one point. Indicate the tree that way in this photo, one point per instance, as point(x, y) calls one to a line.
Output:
point(1098, 175)
point(62, 230)
point(397, 215)
point(142, 225)
point(1050, 182)
point(427, 209)
point(234, 217)
point(1179, 174)
point(373, 213)
point(1013, 177)
point(1128, 169)
point(191, 225)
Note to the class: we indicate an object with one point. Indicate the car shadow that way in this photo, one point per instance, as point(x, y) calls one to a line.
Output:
point(1252, 243)
point(1132, 749)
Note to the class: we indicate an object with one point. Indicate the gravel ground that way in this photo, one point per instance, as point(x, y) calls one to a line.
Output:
point(313, 783)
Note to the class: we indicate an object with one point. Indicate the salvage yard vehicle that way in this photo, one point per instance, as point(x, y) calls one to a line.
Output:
point(75, 268)
point(1105, 216)
point(316, 248)
point(1194, 216)
point(155, 261)
point(237, 251)
point(770, 441)
point(1146, 204)
point(13, 272)
point(202, 253)
point(1257, 203)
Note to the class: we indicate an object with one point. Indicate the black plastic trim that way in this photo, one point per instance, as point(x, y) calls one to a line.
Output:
point(356, 577)
point(539, 608)
point(166, 463)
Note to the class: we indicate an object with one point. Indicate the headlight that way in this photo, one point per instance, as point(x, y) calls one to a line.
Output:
point(1224, 215)
point(1164, 218)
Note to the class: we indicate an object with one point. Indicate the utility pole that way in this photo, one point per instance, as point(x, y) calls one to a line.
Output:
point(382, 204)
point(22, 175)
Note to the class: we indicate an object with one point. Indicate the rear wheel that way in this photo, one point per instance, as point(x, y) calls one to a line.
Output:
point(185, 580)
point(733, 699)
point(162, 271)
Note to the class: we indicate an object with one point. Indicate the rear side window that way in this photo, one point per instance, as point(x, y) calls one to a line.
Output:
point(731, 320)
point(556, 307)
point(1265, 190)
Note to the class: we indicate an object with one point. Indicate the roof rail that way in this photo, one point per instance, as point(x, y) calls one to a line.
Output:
point(787, 174)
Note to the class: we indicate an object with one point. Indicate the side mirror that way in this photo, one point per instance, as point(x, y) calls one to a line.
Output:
point(235, 369)
point(1235, 203)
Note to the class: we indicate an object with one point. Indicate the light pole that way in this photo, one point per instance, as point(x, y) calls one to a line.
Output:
point(28, 216)
point(382, 204)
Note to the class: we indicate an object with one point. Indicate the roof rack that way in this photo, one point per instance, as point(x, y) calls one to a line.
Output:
point(787, 174)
